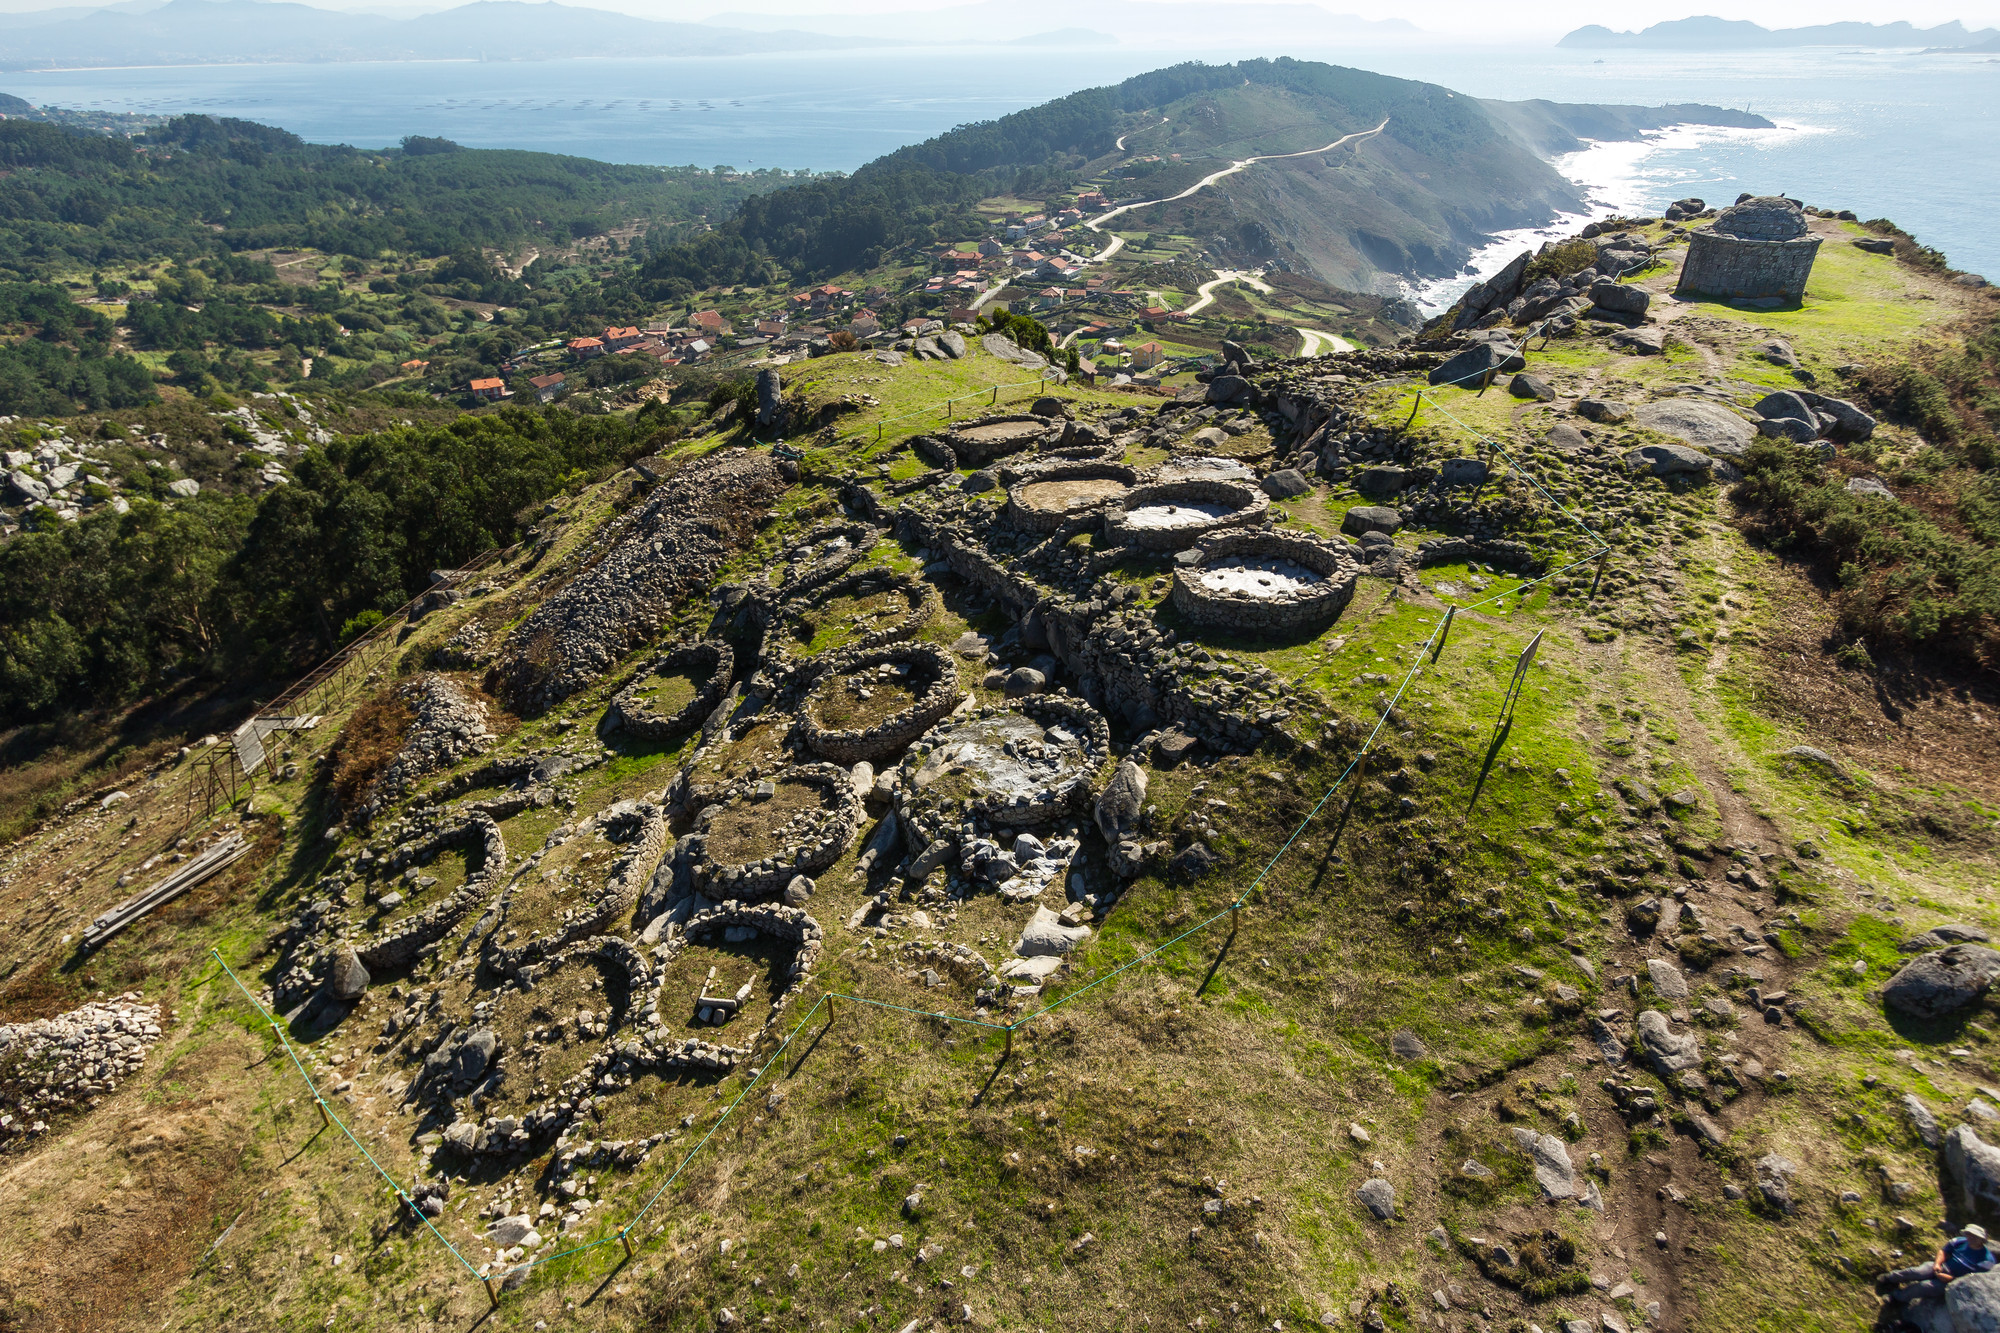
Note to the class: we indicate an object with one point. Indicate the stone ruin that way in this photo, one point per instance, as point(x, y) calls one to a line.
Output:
point(1759, 248)
point(1268, 582)
point(666, 550)
point(67, 1062)
point(795, 755)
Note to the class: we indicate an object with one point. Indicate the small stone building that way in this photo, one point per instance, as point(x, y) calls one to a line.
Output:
point(1760, 247)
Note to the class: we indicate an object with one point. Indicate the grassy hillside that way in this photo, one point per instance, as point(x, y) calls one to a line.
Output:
point(1413, 981)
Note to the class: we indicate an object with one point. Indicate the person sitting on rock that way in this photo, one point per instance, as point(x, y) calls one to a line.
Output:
point(1964, 1253)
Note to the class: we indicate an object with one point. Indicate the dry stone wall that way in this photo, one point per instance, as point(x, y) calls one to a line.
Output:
point(810, 840)
point(401, 942)
point(632, 712)
point(892, 733)
point(1305, 606)
point(639, 830)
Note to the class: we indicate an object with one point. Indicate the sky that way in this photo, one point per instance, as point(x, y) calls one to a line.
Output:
point(1450, 19)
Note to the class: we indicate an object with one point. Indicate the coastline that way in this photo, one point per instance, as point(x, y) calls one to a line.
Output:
point(1627, 177)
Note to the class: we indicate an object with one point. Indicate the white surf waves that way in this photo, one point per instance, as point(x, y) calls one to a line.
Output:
point(1636, 178)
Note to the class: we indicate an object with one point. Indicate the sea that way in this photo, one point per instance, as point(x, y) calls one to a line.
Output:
point(1897, 134)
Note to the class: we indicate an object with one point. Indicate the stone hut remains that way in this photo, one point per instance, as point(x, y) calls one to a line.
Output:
point(1760, 247)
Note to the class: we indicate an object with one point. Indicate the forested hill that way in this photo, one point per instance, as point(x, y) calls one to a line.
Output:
point(1484, 168)
point(70, 199)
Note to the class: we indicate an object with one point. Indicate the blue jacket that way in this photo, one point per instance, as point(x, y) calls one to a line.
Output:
point(1960, 1258)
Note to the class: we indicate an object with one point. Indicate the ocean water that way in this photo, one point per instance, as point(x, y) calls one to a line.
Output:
point(1889, 134)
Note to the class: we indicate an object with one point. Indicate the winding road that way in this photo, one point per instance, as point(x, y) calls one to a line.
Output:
point(1141, 130)
point(1118, 242)
point(1310, 340)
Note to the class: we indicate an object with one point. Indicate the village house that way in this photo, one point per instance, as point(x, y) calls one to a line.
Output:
point(414, 367)
point(991, 248)
point(711, 324)
point(770, 328)
point(546, 387)
point(1147, 355)
point(618, 339)
point(864, 324)
point(585, 348)
point(492, 390)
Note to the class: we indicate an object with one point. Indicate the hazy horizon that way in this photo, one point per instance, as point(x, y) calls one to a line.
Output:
point(1455, 20)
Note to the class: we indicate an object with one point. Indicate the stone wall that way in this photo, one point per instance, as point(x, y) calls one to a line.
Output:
point(636, 716)
point(1739, 267)
point(499, 1135)
point(813, 846)
point(781, 655)
point(891, 733)
point(1307, 607)
point(934, 826)
point(1036, 518)
point(640, 829)
point(1247, 504)
point(400, 943)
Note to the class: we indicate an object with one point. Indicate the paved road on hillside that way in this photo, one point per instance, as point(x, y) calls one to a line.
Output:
point(1312, 338)
point(1118, 242)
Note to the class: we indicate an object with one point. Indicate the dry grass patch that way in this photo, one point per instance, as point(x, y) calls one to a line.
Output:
point(550, 1033)
point(740, 833)
point(372, 738)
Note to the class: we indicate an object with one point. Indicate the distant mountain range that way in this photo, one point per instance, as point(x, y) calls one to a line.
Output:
point(1144, 21)
point(223, 32)
point(1714, 34)
point(208, 32)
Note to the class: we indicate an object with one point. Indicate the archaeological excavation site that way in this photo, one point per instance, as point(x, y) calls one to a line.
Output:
point(1376, 841)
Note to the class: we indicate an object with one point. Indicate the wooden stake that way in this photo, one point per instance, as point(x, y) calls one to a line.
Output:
point(625, 1238)
point(493, 1291)
point(1010, 1042)
point(325, 1120)
point(1444, 632)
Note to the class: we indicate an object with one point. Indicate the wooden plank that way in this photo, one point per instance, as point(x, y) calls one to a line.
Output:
point(183, 878)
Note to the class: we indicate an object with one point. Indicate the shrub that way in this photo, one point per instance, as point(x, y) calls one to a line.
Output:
point(1560, 260)
point(1902, 578)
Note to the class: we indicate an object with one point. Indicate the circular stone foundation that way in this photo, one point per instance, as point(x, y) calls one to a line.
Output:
point(872, 703)
point(875, 607)
point(560, 1032)
point(1048, 497)
point(1264, 582)
point(977, 443)
point(1172, 515)
point(1022, 765)
point(644, 716)
point(585, 878)
point(755, 746)
point(760, 833)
